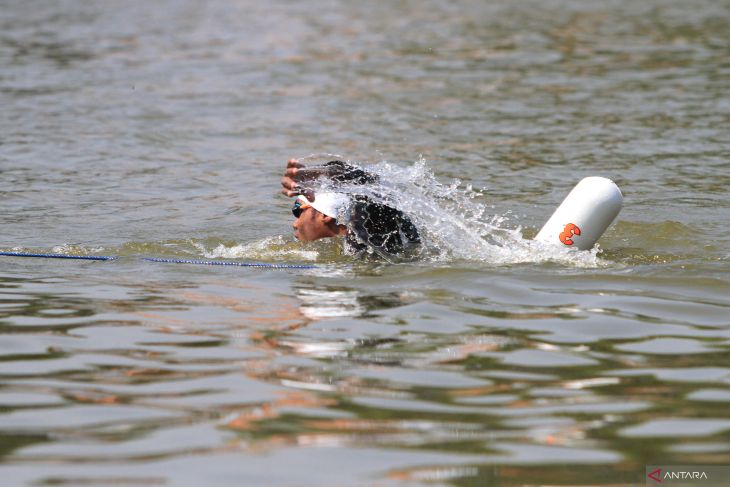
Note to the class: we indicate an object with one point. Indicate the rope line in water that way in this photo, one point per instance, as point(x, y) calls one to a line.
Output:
point(229, 263)
point(157, 259)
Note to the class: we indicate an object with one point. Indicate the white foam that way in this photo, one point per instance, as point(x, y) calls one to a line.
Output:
point(75, 249)
point(270, 248)
point(454, 221)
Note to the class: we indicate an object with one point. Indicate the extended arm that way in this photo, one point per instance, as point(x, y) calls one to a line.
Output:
point(297, 173)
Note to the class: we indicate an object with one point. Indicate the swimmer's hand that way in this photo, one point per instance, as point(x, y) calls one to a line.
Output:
point(294, 174)
point(337, 171)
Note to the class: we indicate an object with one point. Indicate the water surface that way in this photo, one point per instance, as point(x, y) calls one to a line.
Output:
point(134, 129)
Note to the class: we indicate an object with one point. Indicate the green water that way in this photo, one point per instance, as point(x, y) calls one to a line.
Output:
point(162, 129)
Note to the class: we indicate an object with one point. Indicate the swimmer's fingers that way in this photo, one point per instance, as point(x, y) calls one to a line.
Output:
point(289, 185)
point(297, 171)
point(292, 166)
point(288, 181)
point(308, 193)
point(291, 163)
point(292, 188)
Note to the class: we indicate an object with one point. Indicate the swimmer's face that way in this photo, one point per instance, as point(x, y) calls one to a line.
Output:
point(311, 225)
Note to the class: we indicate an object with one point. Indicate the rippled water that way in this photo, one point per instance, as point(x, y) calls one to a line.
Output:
point(162, 129)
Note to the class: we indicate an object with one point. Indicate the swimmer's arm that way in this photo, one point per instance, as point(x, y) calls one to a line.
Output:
point(291, 179)
point(339, 171)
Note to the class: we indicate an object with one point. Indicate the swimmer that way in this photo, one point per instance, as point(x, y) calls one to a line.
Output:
point(376, 228)
point(366, 226)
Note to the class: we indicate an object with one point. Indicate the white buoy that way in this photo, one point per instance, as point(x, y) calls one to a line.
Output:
point(584, 214)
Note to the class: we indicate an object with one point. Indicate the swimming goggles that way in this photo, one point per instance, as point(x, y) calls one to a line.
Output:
point(299, 207)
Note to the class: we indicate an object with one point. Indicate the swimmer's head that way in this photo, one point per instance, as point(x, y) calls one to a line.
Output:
point(366, 224)
point(324, 217)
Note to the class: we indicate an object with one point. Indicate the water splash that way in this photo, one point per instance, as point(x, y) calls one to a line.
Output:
point(271, 248)
point(76, 249)
point(455, 221)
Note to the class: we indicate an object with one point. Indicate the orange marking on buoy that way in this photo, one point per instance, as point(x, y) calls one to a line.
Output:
point(567, 236)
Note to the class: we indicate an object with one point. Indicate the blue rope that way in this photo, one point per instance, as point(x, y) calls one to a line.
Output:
point(156, 259)
point(59, 256)
point(229, 263)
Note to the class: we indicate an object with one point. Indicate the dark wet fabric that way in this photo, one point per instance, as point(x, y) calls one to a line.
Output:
point(374, 226)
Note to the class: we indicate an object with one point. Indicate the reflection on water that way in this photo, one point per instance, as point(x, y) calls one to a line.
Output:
point(131, 375)
point(162, 130)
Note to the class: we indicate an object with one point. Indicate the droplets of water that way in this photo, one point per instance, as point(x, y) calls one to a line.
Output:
point(456, 222)
point(76, 249)
point(271, 248)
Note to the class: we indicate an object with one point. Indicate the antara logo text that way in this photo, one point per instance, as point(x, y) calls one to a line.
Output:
point(657, 476)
